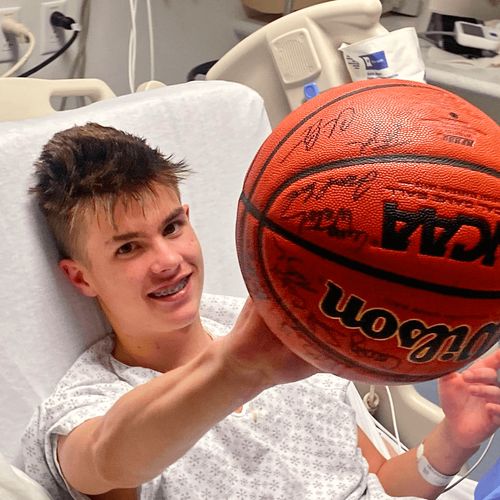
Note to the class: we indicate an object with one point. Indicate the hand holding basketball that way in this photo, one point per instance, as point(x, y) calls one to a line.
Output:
point(253, 351)
point(368, 231)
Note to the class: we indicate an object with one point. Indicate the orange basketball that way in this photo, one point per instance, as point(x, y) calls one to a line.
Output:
point(368, 231)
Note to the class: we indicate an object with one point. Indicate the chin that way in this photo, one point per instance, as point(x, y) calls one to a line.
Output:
point(184, 316)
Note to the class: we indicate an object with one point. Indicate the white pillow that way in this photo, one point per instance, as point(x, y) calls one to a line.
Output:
point(16, 485)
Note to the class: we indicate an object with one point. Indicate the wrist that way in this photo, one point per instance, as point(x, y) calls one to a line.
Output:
point(444, 452)
point(449, 437)
point(428, 472)
point(247, 379)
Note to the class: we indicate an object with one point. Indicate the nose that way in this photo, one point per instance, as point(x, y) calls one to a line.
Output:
point(166, 259)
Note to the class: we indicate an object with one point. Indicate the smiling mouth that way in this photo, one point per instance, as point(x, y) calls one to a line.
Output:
point(167, 292)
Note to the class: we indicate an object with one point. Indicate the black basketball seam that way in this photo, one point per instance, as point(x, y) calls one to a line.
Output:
point(398, 158)
point(389, 375)
point(314, 112)
point(260, 230)
point(364, 268)
point(317, 110)
point(261, 216)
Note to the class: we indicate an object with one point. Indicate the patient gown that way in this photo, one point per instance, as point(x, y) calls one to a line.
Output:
point(293, 441)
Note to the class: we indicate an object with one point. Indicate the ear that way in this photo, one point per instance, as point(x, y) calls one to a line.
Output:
point(75, 272)
point(186, 209)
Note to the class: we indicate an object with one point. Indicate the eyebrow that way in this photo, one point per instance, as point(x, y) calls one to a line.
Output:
point(136, 234)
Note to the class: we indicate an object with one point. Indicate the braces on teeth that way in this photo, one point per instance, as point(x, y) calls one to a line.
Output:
point(171, 291)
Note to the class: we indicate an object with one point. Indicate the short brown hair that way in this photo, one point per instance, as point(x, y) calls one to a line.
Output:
point(91, 166)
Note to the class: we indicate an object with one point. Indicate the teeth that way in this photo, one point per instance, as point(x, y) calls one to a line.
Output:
point(172, 290)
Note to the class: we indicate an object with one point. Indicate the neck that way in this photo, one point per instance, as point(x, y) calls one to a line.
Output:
point(162, 352)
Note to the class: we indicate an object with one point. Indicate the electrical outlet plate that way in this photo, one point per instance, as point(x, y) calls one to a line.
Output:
point(51, 39)
point(7, 47)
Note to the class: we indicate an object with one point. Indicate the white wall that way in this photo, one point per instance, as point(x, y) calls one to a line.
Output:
point(187, 33)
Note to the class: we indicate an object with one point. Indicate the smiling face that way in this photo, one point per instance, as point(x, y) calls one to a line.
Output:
point(145, 268)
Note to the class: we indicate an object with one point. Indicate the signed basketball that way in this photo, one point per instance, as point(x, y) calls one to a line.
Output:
point(368, 231)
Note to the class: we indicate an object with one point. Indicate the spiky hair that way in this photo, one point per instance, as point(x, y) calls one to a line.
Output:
point(89, 167)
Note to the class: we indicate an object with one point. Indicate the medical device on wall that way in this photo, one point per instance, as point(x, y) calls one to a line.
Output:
point(477, 9)
point(295, 57)
point(477, 36)
point(442, 15)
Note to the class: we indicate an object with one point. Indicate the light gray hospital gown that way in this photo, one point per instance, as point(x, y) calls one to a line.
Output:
point(294, 441)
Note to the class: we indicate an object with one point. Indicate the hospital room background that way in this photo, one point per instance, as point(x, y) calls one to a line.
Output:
point(171, 41)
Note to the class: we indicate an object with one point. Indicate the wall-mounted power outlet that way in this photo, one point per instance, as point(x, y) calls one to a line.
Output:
point(8, 42)
point(51, 39)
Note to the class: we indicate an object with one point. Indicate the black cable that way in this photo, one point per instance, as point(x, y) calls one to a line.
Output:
point(201, 69)
point(54, 56)
point(57, 19)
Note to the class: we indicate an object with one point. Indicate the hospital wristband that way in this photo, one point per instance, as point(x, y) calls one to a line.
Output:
point(428, 472)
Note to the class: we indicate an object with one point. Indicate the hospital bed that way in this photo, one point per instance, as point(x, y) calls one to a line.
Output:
point(216, 127)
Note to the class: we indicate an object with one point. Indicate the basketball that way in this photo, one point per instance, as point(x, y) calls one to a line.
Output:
point(368, 229)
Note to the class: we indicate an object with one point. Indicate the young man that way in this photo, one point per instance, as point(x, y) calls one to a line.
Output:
point(168, 406)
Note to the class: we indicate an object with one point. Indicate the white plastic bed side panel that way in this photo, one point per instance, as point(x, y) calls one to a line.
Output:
point(329, 25)
point(416, 416)
point(251, 64)
point(22, 98)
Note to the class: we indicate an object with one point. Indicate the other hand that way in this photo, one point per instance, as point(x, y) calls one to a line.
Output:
point(471, 401)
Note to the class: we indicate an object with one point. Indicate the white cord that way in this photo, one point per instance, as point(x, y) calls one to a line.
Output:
point(388, 434)
point(132, 46)
point(11, 26)
point(288, 7)
point(479, 460)
point(372, 400)
point(372, 395)
point(79, 62)
point(393, 416)
point(151, 42)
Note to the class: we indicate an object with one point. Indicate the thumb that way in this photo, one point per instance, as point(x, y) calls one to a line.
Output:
point(450, 388)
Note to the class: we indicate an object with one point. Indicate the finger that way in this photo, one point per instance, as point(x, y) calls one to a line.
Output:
point(481, 376)
point(450, 384)
point(450, 378)
point(453, 381)
point(490, 361)
point(489, 392)
point(494, 413)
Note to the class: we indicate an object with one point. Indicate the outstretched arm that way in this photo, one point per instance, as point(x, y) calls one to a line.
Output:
point(471, 404)
point(156, 423)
